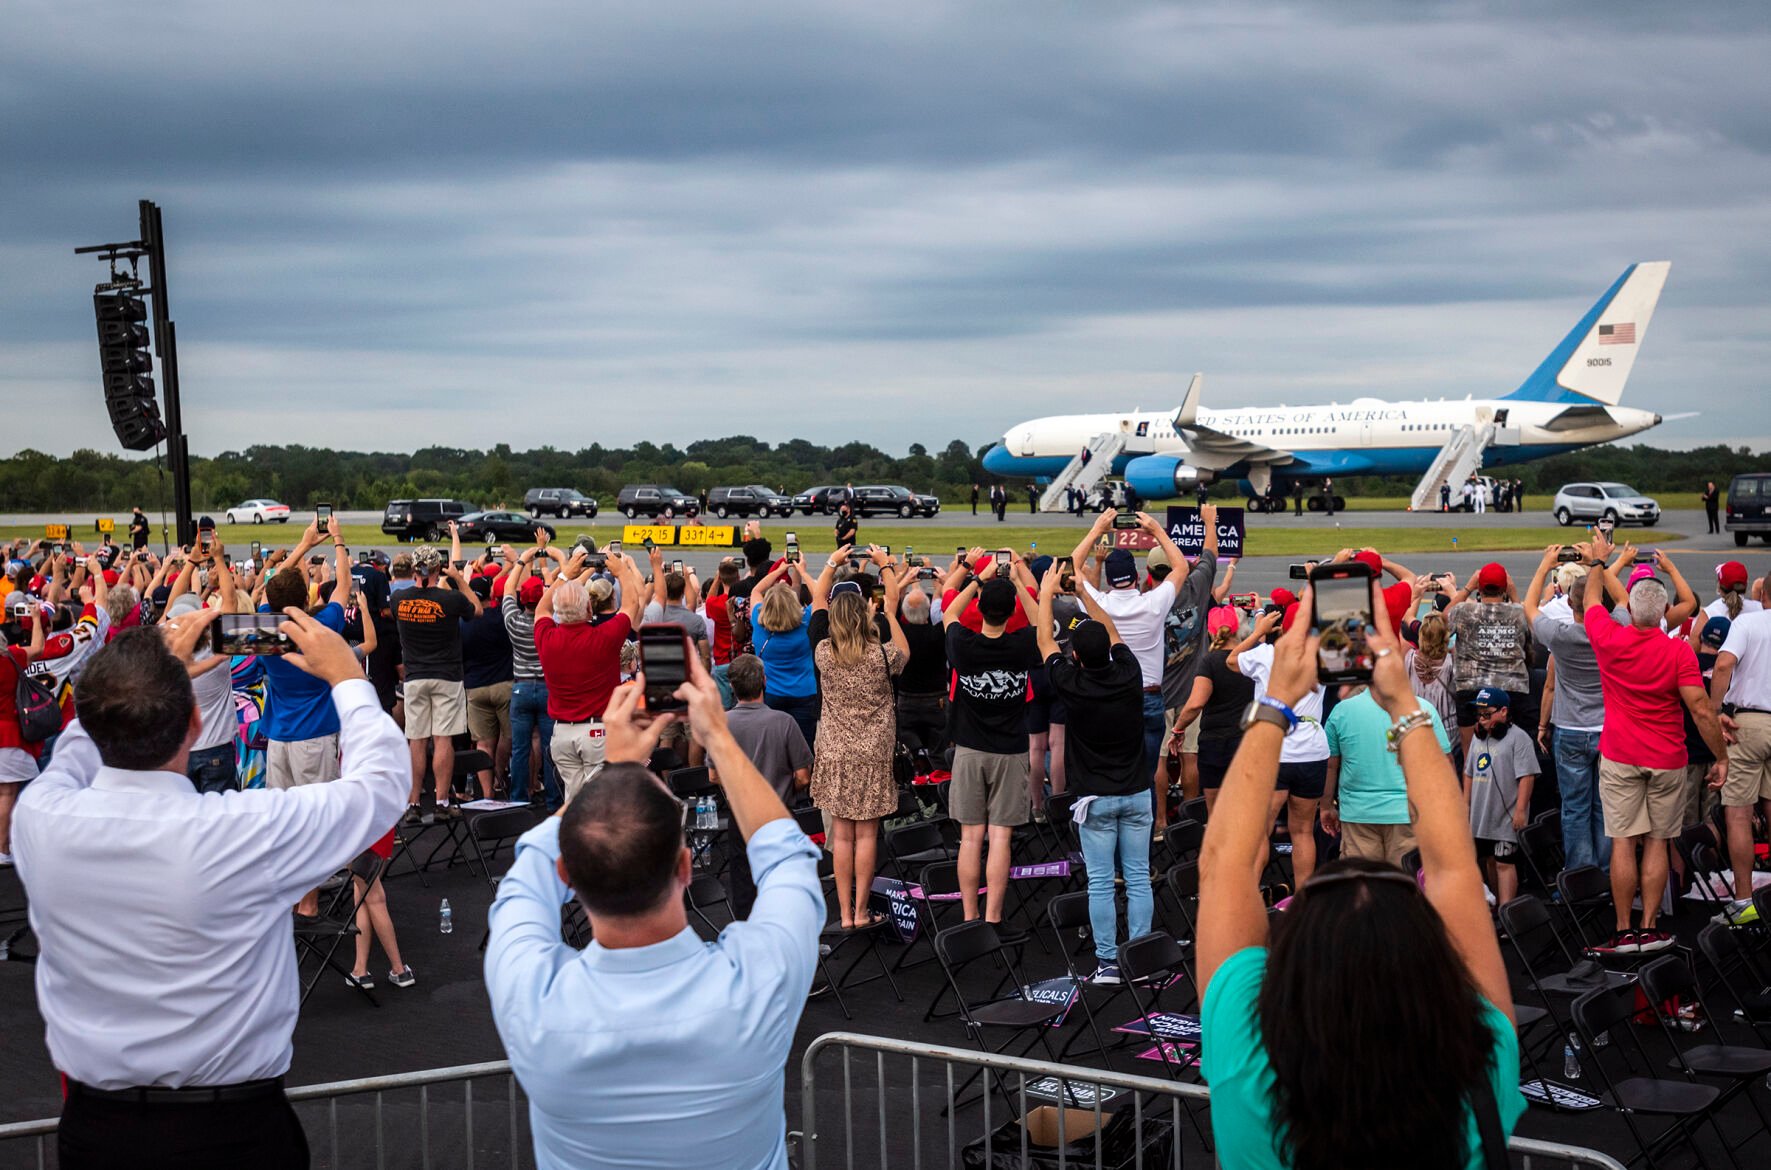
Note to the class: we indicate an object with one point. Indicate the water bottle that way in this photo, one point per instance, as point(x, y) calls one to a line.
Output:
point(446, 920)
point(700, 812)
point(1571, 1058)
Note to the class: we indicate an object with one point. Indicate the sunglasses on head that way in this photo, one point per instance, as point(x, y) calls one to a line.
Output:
point(1317, 881)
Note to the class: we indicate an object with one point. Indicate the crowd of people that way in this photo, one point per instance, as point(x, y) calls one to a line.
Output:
point(1089, 686)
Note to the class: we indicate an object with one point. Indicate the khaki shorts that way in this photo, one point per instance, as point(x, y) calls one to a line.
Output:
point(1749, 761)
point(989, 789)
point(292, 763)
point(488, 712)
point(1189, 738)
point(1376, 842)
point(435, 706)
point(1641, 802)
point(577, 752)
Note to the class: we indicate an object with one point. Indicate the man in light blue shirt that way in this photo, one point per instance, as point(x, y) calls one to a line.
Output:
point(651, 1048)
point(1366, 799)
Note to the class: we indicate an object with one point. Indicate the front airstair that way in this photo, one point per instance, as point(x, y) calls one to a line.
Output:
point(1102, 450)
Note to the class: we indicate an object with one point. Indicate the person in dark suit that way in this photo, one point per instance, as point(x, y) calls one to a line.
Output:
point(999, 502)
point(1712, 505)
point(974, 499)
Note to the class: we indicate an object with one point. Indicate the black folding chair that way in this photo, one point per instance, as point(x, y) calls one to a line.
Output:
point(1193, 810)
point(1670, 978)
point(1696, 847)
point(1552, 972)
point(939, 884)
point(834, 939)
point(486, 832)
point(1636, 1093)
point(1740, 977)
point(1069, 913)
point(1180, 843)
point(1150, 965)
point(1586, 898)
point(910, 847)
point(960, 948)
point(1540, 843)
point(337, 921)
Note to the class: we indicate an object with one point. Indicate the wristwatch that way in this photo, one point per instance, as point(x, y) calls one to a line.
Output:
point(1267, 709)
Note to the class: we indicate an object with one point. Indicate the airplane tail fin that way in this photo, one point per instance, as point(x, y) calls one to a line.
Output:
point(1594, 361)
point(1187, 414)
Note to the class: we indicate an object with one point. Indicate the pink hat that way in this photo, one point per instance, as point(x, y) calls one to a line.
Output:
point(1640, 573)
point(1223, 617)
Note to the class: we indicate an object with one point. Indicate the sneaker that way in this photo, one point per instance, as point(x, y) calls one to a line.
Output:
point(448, 809)
point(361, 982)
point(1106, 974)
point(404, 978)
point(1739, 912)
point(1653, 939)
point(1624, 942)
point(411, 815)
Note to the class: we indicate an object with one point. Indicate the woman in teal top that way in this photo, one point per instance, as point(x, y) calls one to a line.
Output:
point(1376, 1029)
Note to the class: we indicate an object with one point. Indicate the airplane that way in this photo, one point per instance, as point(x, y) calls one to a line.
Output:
point(1569, 402)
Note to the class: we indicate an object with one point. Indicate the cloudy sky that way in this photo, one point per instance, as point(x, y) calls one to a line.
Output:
point(566, 222)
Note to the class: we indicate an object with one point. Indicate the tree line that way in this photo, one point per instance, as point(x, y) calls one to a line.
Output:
point(88, 480)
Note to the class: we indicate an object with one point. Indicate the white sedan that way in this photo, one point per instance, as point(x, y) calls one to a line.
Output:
point(258, 512)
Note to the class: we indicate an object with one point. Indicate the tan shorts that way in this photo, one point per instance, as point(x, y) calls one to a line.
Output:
point(292, 763)
point(488, 712)
point(1641, 802)
point(1189, 738)
point(435, 706)
point(989, 789)
point(1376, 842)
point(1749, 761)
point(577, 751)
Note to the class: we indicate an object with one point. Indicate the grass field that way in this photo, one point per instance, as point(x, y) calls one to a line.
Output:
point(940, 542)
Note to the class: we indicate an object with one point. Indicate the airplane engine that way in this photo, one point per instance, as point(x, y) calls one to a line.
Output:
point(1164, 477)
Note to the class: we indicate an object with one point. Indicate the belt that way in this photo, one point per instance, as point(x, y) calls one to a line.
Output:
point(577, 722)
point(1155, 690)
point(189, 1095)
point(1739, 710)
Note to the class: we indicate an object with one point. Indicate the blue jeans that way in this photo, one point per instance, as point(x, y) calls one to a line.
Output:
point(214, 769)
point(1583, 820)
point(1152, 736)
point(528, 710)
point(803, 708)
point(1116, 838)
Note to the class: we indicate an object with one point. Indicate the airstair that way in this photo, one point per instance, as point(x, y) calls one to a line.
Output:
point(1460, 458)
point(1084, 474)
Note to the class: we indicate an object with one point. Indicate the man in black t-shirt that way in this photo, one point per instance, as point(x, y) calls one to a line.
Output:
point(922, 687)
point(757, 558)
point(428, 618)
point(847, 530)
point(992, 679)
point(373, 590)
point(138, 529)
point(1102, 686)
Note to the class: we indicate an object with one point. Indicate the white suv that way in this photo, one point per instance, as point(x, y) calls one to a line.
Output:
point(1616, 502)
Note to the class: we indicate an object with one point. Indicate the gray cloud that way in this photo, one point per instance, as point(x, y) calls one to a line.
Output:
point(552, 222)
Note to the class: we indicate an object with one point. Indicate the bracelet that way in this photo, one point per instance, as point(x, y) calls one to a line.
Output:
point(1404, 725)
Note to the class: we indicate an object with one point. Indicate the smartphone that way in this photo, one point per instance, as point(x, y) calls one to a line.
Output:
point(676, 566)
point(1568, 554)
point(792, 550)
point(494, 551)
point(926, 574)
point(205, 538)
point(1646, 556)
point(323, 518)
point(1342, 619)
point(793, 538)
point(1125, 521)
point(1300, 572)
point(884, 548)
point(316, 560)
point(1002, 558)
point(613, 548)
point(664, 660)
point(1604, 525)
point(910, 556)
point(250, 634)
point(960, 551)
point(56, 550)
point(256, 549)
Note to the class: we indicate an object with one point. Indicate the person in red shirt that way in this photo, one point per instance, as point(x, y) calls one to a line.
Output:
point(719, 610)
point(578, 637)
point(969, 617)
point(1398, 598)
point(18, 756)
point(1649, 680)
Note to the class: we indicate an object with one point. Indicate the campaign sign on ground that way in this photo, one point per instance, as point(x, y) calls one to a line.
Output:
point(1045, 869)
point(1061, 990)
point(1558, 1096)
point(904, 917)
point(634, 535)
point(1077, 1094)
point(1170, 1053)
point(1188, 532)
point(1169, 1026)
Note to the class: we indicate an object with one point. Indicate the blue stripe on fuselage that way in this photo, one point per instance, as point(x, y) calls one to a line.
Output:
point(1341, 462)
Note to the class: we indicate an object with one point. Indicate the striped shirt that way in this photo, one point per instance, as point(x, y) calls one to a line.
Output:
point(519, 623)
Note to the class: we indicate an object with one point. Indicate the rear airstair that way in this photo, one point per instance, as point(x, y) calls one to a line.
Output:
point(1083, 474)
point(1456, 462)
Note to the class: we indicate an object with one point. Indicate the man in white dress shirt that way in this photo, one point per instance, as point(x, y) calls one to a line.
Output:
point(167, 976)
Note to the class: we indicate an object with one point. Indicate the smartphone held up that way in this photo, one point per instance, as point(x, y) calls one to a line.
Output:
point(664, 660)
point(250, 634)
point(1341, 618)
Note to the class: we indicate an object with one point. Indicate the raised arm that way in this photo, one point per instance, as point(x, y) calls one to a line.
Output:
point(633, 586)
point(1168, 546)
point(341, 572)
point(1263, 626)
point(1684, 600)
point(894, 590)
point(1043, 623)
point(822, 583)
point(1100, 615)
point(1092, 541)
point(1535, 589)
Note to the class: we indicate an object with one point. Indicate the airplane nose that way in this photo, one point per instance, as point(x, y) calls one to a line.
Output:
point(1657, 420)
point(998, 459)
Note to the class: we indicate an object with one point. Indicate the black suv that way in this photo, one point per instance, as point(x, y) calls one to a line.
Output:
point(495, 526)
point(422, 519)
point(1749, 507)
point(819, 499)
point(893, 500)
point(752, 499)
point(654, 499)
point(562, 502)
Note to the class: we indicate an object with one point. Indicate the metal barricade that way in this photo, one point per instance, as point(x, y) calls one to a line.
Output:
point(898, 1073)
point(380, 1121)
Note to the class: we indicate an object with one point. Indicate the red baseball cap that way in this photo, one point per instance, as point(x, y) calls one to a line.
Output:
point(1491, 576)
point(529, 592)
point(1284, 598)
point(1291, 615)
point(1730, 575)
point(1366, 556)
point(112, 576)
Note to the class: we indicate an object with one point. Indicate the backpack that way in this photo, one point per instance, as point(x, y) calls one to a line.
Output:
point(39, 713)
